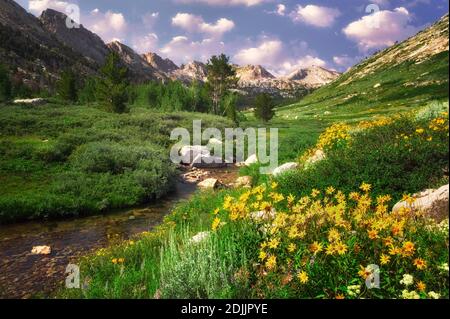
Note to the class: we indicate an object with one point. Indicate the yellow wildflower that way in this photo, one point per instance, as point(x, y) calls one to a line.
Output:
point(274, 243)
point(385, 259)
point(420, 263)
point(215, 224)
point(303, 277)
point(315, 193)
point(262, 255)
point(408, 249)
point(291, 199)
point(315, 248)
point(271, 262)
point(292, 247)
point(341, 248)
point(365, 187)
point(373, 234)
point(421, 286)
point(333, 235)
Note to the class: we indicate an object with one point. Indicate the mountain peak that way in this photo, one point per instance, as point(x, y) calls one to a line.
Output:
point(141, 70)
point(80, 39)
point(194, 70)
point(164, 65)
point(313, 75)
point(252, 73)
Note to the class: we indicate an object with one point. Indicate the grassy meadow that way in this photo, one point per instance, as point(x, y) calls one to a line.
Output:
point(65, 160)
point(318, 245)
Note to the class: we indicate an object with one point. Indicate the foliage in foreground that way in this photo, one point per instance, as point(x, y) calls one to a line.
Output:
point(71, 161)
point(319, 244)
point(402, 154)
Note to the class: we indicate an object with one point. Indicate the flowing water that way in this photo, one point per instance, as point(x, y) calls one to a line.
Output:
point(23, 275)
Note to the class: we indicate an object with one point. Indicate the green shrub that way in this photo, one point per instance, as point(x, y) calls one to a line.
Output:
point(394, 158)
point(205, 270)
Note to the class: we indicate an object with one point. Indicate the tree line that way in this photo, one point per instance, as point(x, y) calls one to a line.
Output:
point(112, 90)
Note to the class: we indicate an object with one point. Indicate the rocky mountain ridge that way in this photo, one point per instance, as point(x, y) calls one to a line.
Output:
point(54, 48)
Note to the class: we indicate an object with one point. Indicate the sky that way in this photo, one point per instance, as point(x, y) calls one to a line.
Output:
point(281, 35)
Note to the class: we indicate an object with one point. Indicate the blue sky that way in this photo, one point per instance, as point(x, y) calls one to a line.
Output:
point(281, 35)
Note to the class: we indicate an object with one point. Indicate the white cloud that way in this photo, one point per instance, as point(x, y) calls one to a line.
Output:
point(247, 3)
point(381, 29)
point(37, 6)
point(281, 9)
point(317, 16)
point(182, 50)
point(194, 23)
point(267, 53)
point(146, 43)
point(108, 25)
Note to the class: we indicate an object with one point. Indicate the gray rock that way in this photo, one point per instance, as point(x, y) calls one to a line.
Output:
point(209, 183)
point(285, 168)
point(252, 159)
point(32, 102)
point(431, 202)
point(189, 153)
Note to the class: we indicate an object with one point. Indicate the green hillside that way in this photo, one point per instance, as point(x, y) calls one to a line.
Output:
point(400, 78)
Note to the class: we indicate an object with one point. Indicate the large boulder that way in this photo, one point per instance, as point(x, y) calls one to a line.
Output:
point(252, 159)
point(189, 153)
point(318, 156)
point(431, 202)
point(209, 183)
point(208, 161)
point(41, 250)
point(285, 168)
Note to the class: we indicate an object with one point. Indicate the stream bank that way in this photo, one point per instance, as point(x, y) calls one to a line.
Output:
point(24, 275)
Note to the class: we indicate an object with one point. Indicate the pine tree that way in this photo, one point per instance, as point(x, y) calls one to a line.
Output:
point(221, 77)
point(87, 94)
point(229, 106)
point(5, 85)
point(264, 107)
point(112, 86)
point(67, 86)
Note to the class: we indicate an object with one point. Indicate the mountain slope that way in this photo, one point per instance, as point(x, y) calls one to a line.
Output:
point(163, 65)
point(193, 71)
point(79, 39)
point(409, 74)
point(32, 53)
point(140, 70)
